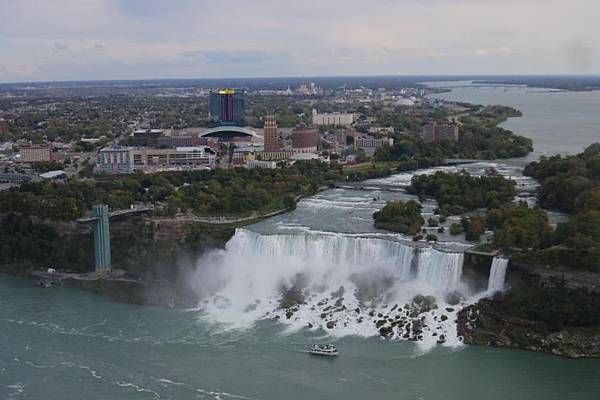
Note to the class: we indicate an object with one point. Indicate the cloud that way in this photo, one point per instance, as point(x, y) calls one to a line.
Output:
point(205, 38)
point(236, 56)
point(578, 54)
point(497, 51)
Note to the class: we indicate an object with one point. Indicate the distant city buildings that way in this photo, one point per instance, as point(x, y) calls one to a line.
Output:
point(271, 139)
point(310, 89)
point(333, 119)
point(227, 107)
point(33, 153)
point(434, 132)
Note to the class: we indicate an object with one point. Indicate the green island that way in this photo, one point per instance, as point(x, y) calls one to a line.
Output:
point(398, 216)
point(457, 193)
point(571, 185)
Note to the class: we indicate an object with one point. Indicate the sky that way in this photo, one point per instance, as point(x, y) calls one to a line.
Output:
point(45, 40)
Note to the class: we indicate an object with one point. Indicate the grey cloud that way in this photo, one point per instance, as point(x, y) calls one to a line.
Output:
point(58, 47)
point(578, 55)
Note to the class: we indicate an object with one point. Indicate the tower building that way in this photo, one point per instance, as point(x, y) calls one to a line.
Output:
point(270, 134)
point(101, 238)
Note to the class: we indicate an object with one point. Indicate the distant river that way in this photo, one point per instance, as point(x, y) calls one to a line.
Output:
point(558, 122)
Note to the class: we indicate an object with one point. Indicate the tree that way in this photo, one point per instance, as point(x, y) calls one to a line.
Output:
point(289, 202)
point(404, 217)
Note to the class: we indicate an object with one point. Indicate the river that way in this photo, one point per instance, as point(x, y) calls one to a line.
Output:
point(62, 343)
point(558, 122)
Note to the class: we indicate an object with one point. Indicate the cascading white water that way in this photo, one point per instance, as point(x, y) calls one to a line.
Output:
point(497, 274)
point(346, 284)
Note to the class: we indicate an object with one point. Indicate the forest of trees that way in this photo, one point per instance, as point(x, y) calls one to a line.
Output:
point(571, 184)
point(231, 192)
point(479, 138)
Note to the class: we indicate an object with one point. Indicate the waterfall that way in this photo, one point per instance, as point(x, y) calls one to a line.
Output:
point(338, 282)
point(254, 266)
point(340, 256)
point(497, 274)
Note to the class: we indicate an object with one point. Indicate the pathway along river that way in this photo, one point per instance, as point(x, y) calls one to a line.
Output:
point(63, 343)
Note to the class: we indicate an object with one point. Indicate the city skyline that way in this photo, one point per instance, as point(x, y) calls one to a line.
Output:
point(43, 40)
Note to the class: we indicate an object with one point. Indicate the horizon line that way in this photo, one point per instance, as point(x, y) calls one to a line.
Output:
point(305, 77)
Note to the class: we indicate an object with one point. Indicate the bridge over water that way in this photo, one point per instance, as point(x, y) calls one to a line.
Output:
point(116, 213)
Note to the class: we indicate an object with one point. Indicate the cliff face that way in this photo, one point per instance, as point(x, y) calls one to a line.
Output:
point(547, 309)
point(139, 244)
point(490, 323)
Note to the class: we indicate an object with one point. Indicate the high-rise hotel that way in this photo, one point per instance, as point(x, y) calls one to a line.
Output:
point(227, 107)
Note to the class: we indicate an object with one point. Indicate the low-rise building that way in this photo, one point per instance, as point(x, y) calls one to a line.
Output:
point(147, 137)
point(332, 119)
point(179, 141)
point(381, 130)
point(54, 175)
point(369, 144)
point(252, 164)
point(276, 155)
point(6, 147)
point(147, 158)
point(33, 153)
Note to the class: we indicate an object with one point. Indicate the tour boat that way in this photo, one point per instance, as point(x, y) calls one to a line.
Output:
point(323, 350)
